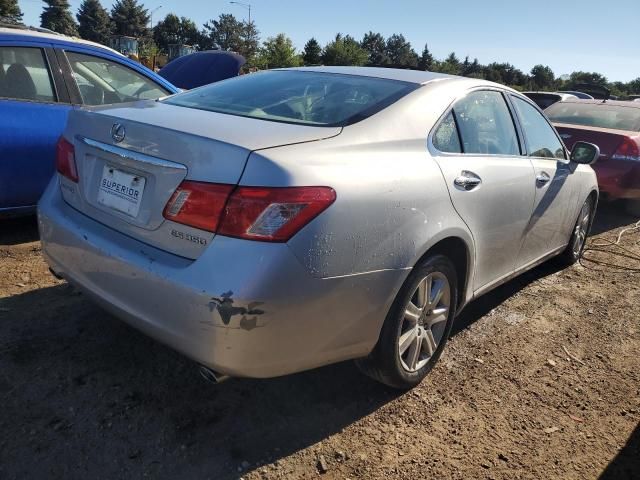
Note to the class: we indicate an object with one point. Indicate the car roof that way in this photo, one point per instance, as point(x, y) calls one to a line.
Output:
point(419, 77)
point(26, 34)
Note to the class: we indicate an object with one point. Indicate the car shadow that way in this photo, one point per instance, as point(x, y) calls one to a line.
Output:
point(81, 381)
point(625, 465)
point(611, 215)
point(14, 231)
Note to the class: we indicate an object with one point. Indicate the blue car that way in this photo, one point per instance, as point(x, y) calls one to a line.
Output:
point(42, 77)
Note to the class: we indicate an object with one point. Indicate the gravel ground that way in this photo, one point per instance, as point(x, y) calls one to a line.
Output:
point(541, 380)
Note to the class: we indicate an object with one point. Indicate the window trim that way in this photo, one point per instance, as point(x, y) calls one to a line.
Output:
point(74, 90)
point(56, 88)
point(482, 88)
point(525, 99)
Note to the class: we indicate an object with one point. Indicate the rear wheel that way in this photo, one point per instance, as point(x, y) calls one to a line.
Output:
point(417, 326)
point(578, 239)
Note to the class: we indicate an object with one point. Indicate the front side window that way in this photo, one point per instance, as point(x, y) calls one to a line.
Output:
point(103, 81)
point(24, 75)
point(542, 140)
point(306, 98)
point(485, 124)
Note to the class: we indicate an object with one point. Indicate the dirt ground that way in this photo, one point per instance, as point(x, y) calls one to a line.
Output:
point(541, 380)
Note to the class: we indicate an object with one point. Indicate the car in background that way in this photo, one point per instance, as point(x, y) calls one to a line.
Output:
point(545, 99)
point(580, 95)
point(201, 68)
point(289, 219)
point(43, 76)
point(615, 127)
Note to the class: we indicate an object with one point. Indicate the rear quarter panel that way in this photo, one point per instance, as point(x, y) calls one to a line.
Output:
point(392, 203)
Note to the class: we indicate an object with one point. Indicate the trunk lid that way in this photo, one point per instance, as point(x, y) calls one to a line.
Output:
point(125, 183)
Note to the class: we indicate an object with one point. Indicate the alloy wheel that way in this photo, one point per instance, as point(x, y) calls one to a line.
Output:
point(580, 232)
point(424, 322)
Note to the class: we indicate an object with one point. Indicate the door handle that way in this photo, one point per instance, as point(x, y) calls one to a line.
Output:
point(467, 180)
point(542, 178)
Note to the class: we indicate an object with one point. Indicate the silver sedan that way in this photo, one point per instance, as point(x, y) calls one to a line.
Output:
point(290, 219)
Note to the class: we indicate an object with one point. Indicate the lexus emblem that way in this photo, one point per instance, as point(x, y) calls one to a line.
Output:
point(118, 132)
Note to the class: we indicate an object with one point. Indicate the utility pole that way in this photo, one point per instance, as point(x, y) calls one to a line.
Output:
point(151, 14)
point(245, 5)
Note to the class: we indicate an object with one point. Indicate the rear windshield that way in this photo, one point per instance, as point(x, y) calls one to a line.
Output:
point(601, 115)
point(307, 98)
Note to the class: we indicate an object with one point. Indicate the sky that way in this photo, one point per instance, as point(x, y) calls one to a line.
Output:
point(566, 35)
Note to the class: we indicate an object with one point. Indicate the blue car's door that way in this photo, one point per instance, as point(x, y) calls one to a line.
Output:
point(34, 104)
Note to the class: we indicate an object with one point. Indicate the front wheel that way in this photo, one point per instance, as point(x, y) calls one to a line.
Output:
point(417, 326)
point(578, 239)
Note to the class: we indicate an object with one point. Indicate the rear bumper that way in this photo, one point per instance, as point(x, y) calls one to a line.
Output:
point(619, 179)
point(242, 308)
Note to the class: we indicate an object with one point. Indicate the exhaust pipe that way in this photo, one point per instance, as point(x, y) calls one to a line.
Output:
point(211, 375)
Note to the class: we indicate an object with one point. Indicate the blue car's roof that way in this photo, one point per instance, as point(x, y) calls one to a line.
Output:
point(25, 36)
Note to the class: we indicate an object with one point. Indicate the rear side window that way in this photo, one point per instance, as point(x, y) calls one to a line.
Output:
point(302, 97)
point(601, 115)
point(446, 137)
point(485, 124)
point(103, 81)
point(24, 75)
point(541, 138)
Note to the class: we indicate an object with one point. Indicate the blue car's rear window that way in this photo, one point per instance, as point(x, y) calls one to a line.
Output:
point(303, 97)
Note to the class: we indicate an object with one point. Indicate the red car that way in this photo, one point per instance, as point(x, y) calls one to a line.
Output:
point(615, 127)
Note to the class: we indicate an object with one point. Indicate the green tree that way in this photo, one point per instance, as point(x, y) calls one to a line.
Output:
point(542, 78)
point(426, 59)
point(633, 87)
point(344, 51)
point(224, 33)
point(130, 18)
point(312, 53)
point(56, 16)
point(592, 78)
point(93, 22)
point(10, 9)
point(249, 41)
point(173, 29)
point(400, 53)
point(278, 52)
point(450, 65)
point(506, 74)
point(376, 47)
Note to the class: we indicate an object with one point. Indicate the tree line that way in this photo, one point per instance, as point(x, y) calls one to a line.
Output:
point(130, 17)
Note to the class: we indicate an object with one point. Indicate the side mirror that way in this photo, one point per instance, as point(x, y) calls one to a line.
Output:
point(585, 153)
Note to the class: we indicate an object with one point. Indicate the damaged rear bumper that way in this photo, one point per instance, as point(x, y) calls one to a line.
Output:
point(242, 308)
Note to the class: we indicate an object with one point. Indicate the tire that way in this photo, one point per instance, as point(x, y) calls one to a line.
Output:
point(579, 235)
point(632, 207)
point(422, 330)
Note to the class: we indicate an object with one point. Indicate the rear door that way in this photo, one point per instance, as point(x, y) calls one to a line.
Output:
point(34, 104)
point(490, 183)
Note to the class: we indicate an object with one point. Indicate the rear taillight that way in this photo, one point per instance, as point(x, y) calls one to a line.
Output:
point(66, 160)
point(627, 150)
point(255, 213)
point(273, 214)
point(198, 204)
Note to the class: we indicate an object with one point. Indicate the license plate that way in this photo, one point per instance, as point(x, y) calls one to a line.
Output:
point(121, 191)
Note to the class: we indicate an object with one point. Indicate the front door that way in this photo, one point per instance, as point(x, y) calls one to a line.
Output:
point(555, 198)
